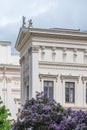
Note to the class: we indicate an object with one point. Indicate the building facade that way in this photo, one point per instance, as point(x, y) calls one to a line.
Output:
point(9, 78)
point(54, 61)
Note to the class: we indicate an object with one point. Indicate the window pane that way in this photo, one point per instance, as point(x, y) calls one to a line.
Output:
point(67, 95)
point(51, 83)
point(72, 95)
point(51, 92)
point(45, 90)
point(72, 84)
point(45, 83)
point(66, 84)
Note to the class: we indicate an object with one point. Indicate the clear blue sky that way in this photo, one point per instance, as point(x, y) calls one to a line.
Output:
point(70, 14)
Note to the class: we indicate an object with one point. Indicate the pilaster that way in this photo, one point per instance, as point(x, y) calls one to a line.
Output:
point(33, 70)
point(22, 81)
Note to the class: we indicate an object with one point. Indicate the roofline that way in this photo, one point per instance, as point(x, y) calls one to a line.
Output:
point(5, 43)
point(52, 32)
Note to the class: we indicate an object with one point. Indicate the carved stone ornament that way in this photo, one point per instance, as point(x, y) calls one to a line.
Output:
point(75, 50)
point(53, 48)
point(64, 49)
point(23, 21)
point(33, 49)
point(22, 60)
point(30, 23)
point(43, 48)
point(85, 50)
point(84, 78)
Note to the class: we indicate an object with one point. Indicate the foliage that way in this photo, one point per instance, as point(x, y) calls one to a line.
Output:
point(43, 113)
point(5, 123)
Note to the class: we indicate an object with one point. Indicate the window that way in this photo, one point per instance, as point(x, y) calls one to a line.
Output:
point(86, 92)
point(48, 88)
point(69, 92)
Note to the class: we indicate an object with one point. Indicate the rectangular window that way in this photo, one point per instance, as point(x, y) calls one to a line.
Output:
point(48, 88)
point(86, 92)
point(69, 92)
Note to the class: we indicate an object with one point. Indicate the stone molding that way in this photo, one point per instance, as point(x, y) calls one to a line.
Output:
point(62, 77)
point(63, 65)
point(48, 76)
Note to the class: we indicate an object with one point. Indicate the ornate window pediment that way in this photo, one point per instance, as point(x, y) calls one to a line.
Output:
point(62, 77)
point(48, 76)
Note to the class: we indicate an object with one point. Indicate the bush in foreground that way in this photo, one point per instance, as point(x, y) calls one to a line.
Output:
point(44, 113)
point(5, 123)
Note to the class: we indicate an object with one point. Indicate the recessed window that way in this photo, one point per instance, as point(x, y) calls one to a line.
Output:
point(64, 56)
point(48, 88)
point(69, 92)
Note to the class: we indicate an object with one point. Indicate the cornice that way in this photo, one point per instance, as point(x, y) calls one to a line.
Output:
point(42, 76)
point(52, 33)
point(62, 64)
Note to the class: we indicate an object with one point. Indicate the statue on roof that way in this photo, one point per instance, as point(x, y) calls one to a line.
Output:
point(30, 23)
point(23, 21)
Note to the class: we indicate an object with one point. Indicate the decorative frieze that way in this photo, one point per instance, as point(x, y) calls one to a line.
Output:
point(33, 49)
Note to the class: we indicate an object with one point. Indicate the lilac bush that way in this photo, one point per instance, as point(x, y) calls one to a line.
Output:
point(43, 113)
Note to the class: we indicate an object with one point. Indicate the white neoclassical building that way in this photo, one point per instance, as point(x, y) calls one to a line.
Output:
point(54, 61)
point(9, 78)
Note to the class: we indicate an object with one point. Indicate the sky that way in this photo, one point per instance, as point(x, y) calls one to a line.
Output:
point(68, 14)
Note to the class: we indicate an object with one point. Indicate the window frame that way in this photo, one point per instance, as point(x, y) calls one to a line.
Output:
point(70, 87)
point(48, 81)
